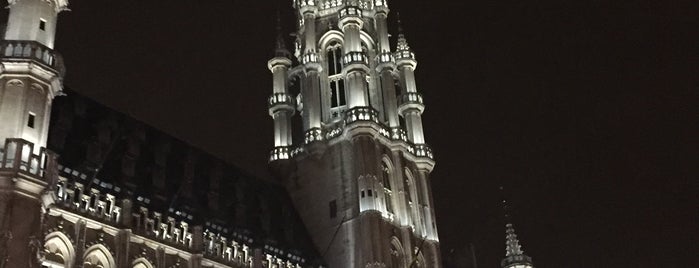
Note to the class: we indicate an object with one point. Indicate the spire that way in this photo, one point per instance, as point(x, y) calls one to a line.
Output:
point(514, 255)
point(280, 47)
point(512, 246)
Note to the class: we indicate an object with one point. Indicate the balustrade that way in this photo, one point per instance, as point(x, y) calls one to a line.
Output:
point(31, 50)
point(313, 135)
point(280, 153)
point(355, 58)
point(310, 58)
point(361, 114)
point(422, 150)
point(18, 156)
point(411, 98)
point(404, 54)
point(74, 196)
point(279, 101)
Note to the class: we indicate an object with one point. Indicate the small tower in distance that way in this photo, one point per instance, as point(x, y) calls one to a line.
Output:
point(31, 75)
point(514, 255)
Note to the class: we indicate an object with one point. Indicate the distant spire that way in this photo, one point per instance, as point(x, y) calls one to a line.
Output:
point(280, 48)
point(514, 255)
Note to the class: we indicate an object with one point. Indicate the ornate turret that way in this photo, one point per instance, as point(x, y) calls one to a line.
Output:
point(31, 75)
point(281, 104)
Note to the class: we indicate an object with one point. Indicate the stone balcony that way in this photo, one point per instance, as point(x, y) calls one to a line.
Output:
point(363, 118)
point(17, 157)
point(410, 101)
point(32, 51)
point(281, 101)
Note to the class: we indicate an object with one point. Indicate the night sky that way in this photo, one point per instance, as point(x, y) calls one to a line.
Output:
point(585, 111)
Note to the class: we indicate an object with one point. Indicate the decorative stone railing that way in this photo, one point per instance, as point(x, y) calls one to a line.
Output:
point(381, 3)
point(18, 156)
point(334, 131)
point(361, 114)
point(76, 197)
point(421, 150)
point(31, 50)
point(165, 229)
point(280, 153)
point(355, 58)
point(313, 135)
point(411, 101)
point(405, 54)
point(281, 101)
point(310, 58)
point(410, 98)
point(217, 247)
point(330, 4)
point(386, 58)
point(350, 12)
point(351, 117)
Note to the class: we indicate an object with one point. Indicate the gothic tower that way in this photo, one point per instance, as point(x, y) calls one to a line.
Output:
point(30, 77)
point(349, 143)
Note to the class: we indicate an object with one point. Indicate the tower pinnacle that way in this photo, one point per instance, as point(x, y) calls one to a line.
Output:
point(514, 255)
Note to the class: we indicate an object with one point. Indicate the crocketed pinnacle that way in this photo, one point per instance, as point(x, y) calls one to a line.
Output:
point(514, 255)
point(513, 248)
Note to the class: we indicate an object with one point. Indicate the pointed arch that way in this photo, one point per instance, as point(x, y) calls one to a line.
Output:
point(410, 186)
point(388, 185)
point(397, 253)
point(98, 256)
point(142, 263)
point(59, 249)
point(328, 37)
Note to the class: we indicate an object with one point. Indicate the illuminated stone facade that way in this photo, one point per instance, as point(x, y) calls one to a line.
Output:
point(349, 142)
point(121, 194)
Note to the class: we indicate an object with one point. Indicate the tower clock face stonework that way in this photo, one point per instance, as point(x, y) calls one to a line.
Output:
point(349, 142)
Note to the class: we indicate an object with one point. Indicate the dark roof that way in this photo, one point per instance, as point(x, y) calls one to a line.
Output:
point(107, 149)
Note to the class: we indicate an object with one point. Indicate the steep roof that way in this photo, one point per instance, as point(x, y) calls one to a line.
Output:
point(103, 148)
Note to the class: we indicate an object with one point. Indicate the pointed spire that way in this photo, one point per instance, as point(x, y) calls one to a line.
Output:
point(512, 246)
point(280, 48)
point(514, 255)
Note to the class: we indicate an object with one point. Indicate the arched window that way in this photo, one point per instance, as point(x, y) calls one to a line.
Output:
point(387, 187)
point(409, 184)
point(98, 257)
point(142, 263)
point(59, 251)
point(338, 99)
point(397, 254)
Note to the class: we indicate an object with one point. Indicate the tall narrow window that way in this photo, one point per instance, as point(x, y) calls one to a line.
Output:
point(338, 99)
point(31, 120)
point(42, 24)
point(387, 189)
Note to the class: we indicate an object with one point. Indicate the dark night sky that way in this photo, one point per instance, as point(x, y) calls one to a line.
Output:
point(586, 111)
